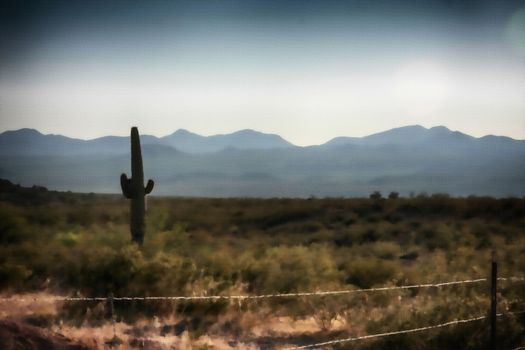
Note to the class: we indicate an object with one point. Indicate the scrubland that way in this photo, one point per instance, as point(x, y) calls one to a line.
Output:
point(55, 243)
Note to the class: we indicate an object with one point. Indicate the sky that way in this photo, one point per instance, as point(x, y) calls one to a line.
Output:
point(306, 70)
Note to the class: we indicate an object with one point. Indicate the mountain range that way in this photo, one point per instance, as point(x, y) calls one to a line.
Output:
point(32, 142)
point(409, 159)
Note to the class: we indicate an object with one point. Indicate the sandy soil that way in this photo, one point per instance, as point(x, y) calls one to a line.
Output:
point(32, 321)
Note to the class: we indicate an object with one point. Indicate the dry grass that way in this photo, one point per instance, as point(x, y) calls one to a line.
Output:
point(249, 246)
point(148, 333)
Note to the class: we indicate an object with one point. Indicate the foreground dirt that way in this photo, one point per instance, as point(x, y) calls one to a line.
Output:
point(32, 321)
point(17, 335)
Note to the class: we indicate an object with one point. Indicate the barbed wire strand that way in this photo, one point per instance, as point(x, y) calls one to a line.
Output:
point(261, 296)
point(248, 297)
point(405, 331)
point(513, 279)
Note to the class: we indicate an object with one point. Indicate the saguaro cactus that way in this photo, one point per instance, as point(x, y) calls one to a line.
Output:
point(135, 190)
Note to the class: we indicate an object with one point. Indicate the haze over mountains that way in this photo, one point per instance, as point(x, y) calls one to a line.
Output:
point(32, 142)
point(250, 163)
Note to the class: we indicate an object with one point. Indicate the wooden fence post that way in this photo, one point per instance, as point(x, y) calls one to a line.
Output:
point(115, 341)
point(493, 301)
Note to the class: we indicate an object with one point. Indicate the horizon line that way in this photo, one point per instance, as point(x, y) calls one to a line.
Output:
point(261, 132)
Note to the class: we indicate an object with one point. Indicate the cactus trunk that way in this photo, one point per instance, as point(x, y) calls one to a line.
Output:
point(134, 189)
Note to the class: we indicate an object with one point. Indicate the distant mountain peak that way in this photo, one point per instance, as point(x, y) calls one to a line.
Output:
point(23, 131)
point(248, 162)
point(248, 131)
point(405, 135)
point(409, 127)
point(189, 142)
point(440, 128)
point(182, 132)
point(31, 141)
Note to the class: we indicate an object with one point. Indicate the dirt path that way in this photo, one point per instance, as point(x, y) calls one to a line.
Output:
point(16, 335)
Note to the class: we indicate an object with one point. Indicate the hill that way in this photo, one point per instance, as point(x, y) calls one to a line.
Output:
point(248, 163)
point(32, 142)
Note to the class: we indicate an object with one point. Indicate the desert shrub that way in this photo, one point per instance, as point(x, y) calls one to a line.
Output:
point(68, 239)
point(384, 250)
point(175, 240)
point(393, 195)
point(13, 226)
point(369, 235)
point(288, 269)
point(376, 195)
point(104, 271)
point(158, 219)
point(79, 244)
point(435, 237)
point(368, 272)
point(165, 274)
point(14, 276)
point(344, 238)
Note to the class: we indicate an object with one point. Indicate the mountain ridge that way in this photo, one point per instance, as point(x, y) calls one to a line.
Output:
point(186, 141)
point(405, 160)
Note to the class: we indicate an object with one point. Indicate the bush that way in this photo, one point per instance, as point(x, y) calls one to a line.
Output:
point(79, 244)
point(13, 227)
point(290, 269)
point(376, 195)
point(368, 272)
point(393, 195)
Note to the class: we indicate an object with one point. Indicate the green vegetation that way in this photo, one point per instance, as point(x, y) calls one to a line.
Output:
point(135, 190)
point(78, 244)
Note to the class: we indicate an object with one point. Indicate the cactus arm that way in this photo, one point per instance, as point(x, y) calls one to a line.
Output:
point(149, 187)
point(125, 184)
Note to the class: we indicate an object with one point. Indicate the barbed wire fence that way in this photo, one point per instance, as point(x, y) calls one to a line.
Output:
point(115, 341)
point(261, 296)
point(406, 331)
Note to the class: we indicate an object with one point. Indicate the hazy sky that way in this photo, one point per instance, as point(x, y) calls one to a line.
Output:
point(307, 70)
